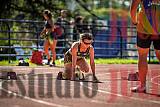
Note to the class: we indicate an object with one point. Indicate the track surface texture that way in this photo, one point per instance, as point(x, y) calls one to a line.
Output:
point(38, 87)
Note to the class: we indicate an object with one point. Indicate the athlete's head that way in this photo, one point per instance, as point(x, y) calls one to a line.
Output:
point(47, 14)
point(86, 38)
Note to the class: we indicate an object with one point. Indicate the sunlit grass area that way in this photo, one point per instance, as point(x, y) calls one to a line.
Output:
point(14, 63)
point(59, 62)
point(116, 61)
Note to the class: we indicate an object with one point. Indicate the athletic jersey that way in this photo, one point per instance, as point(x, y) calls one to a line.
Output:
point(149, 17)
point(48, 23)
point(82, 54)
point(79, 53)
point(50, 35)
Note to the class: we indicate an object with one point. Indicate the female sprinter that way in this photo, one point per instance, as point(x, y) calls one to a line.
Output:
point(50, 37)
point(75, 56)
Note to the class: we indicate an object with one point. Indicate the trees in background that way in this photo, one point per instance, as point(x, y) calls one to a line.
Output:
point(32, 9)
point(28, 9)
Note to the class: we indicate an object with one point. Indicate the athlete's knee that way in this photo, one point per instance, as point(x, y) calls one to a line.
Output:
point(54, 51)
point(46, 51)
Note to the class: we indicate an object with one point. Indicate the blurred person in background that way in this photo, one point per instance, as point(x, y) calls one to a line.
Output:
point(50, 37)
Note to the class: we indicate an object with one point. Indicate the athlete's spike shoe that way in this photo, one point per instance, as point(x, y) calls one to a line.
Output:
point(59, 76)
point(139, 89)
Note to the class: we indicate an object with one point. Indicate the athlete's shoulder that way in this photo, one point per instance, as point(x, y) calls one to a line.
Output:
point(91, 48)
point(75, 44)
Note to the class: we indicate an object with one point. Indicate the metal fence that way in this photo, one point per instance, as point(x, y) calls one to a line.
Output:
point(18, 38)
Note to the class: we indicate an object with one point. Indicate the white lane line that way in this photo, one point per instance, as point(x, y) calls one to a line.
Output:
point(120, 95)
point(58, 105)
point(34, 100)
point(152, 80)
point(0, 84)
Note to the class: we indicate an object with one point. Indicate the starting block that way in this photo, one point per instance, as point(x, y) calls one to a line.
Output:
point(9, 76)
point(133, 77)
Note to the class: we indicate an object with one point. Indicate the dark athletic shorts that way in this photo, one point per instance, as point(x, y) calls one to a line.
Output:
point(145, 40)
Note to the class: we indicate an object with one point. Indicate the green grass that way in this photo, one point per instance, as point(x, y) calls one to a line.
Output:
point(115, 61)
point(13, 63)
point(97, 61)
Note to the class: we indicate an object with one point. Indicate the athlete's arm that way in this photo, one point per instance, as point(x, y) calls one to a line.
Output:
point(92, 63)
point(133, 10)
point(74, 49)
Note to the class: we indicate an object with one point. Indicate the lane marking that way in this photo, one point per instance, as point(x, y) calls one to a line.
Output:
point(1, 84)
point(101, 91)
point(152, 80)
point(120, 95)
point(34, 100)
